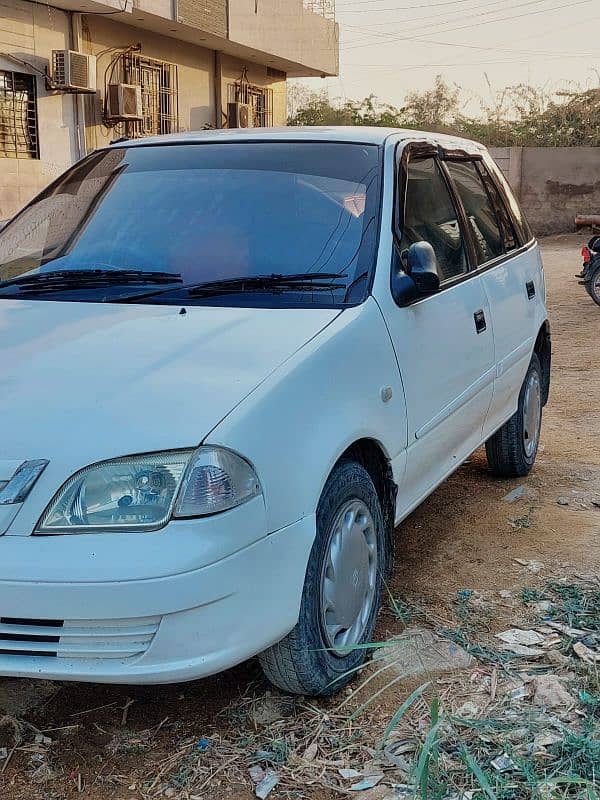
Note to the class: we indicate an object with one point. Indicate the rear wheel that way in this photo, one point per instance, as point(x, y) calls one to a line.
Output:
point(342, 590)
point(511, 451)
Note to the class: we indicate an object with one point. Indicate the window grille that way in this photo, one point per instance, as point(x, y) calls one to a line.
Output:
point(258, 98)
point(160, 93)
point(18, 116)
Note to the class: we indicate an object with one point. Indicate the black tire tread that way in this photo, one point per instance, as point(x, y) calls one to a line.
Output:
point(289, 665)
point(504, 450)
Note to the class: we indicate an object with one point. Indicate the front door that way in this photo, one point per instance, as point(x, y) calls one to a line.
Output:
point(444, 342)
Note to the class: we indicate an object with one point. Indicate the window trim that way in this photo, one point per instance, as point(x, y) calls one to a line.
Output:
point(429, 149)
point(419, 151)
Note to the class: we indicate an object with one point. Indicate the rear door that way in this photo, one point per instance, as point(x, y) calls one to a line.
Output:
point(444, 341)
point(511, 275)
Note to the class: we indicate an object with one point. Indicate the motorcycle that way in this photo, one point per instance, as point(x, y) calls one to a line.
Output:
point(590, 274)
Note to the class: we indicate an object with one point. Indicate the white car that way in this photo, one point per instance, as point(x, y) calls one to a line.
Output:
point(231, 364)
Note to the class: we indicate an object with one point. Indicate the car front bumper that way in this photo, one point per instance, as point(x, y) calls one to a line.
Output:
point(173, 627)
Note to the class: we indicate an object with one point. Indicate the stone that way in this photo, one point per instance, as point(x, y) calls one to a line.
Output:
point(419, 651)
point(549, 692)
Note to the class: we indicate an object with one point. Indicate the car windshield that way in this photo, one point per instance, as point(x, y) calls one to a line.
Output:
point(201, 213)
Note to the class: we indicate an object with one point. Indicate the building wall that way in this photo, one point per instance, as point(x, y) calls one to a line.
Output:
point(231, 71)
point(196, 70)
point(285, 28)
point(30, 32)
point(553, 183)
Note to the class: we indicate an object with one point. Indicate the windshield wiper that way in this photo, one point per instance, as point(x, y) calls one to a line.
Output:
point(61, 280)
point(298, 282)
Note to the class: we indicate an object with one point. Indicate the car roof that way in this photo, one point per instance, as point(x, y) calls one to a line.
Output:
point(359, 134)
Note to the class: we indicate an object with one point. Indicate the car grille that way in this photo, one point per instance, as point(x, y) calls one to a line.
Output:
point(117, 638)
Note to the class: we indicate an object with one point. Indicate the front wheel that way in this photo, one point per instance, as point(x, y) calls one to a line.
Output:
point(342, 590)
point(593, 286)
point(511, 451)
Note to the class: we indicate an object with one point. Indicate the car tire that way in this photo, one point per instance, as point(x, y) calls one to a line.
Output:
point(593, 285)
point(511, 451)
point(350, 536)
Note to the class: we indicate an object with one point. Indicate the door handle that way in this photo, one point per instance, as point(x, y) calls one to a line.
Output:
point(480, 323)
point(530, 286)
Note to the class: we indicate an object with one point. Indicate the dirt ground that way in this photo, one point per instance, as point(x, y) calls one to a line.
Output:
point(465, 536)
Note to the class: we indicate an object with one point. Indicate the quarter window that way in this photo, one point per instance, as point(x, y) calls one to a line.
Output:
point(430, 215)
point(479, 210)
point(506, 224)
point(18, 116)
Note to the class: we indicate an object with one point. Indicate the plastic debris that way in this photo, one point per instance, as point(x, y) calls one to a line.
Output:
point(266, 785)
point(503, 763)
point(549, 692)
point(516, 494)
point(3, 753)
point(518, 636)
point(311, 752)
point(347, 774)
point(202, 745)
point(257, 773)
point(366, 783)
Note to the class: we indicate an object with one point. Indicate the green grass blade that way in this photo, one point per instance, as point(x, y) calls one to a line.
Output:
point(422, 771)
point(400, 713)
point(479, 774)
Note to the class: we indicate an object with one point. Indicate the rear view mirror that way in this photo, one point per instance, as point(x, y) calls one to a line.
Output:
point(422, 267)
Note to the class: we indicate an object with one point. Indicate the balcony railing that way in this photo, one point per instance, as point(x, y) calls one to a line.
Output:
point(325, 8)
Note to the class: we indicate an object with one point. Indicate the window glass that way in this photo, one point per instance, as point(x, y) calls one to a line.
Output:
point(208, 212)
point(479, 209)
point(508, 229)
point(430, 216)
point(516, 213)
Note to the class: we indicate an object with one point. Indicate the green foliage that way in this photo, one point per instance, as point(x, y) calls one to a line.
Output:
point(516, 115)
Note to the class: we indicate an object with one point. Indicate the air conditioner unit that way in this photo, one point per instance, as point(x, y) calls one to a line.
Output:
point(73, 72)
point(240, 115)
point(124, 102)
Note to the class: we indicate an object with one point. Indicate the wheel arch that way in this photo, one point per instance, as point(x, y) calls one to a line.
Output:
point(543, 350)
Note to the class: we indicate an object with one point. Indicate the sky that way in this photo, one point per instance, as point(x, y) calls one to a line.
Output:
point(390, 47)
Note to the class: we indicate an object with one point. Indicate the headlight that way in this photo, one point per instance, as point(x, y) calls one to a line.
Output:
point(144, 492)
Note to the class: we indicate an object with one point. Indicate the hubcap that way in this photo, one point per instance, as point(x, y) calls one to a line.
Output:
point(349, 577)
point(532, 413)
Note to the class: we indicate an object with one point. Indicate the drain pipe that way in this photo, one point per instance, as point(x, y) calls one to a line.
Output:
point(78, 99)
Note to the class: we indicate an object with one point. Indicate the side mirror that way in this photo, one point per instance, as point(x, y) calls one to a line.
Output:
point(422, 267)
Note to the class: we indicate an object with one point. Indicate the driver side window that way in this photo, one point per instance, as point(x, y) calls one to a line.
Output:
point(430, 215)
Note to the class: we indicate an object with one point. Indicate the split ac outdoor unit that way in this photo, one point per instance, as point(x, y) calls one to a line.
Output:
point(240, 115)
point(125, 102)
point(73, 72)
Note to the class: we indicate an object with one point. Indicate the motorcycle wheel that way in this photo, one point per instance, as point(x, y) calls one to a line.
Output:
point(593, 285)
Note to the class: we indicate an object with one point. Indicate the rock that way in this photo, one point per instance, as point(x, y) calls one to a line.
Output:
point(557, 658)
point(420, 651)
point(563, 501)
point(506, 594)
point(550, 693)
point(516, 494)
point(585, 654)
point(18, 696)
point(270, 709)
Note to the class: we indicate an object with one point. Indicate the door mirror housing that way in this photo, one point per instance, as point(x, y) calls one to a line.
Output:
point(415, 275)
point(422, 267)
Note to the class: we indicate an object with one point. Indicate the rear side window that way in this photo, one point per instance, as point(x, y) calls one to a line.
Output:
point(517, 216)
point(430, 215)
point(506, 223)
point(479, 209)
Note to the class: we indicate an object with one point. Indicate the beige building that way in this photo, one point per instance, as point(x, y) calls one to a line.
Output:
point(144, 67)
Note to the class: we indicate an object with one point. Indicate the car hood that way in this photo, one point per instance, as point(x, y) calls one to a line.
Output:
point(83, 382)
